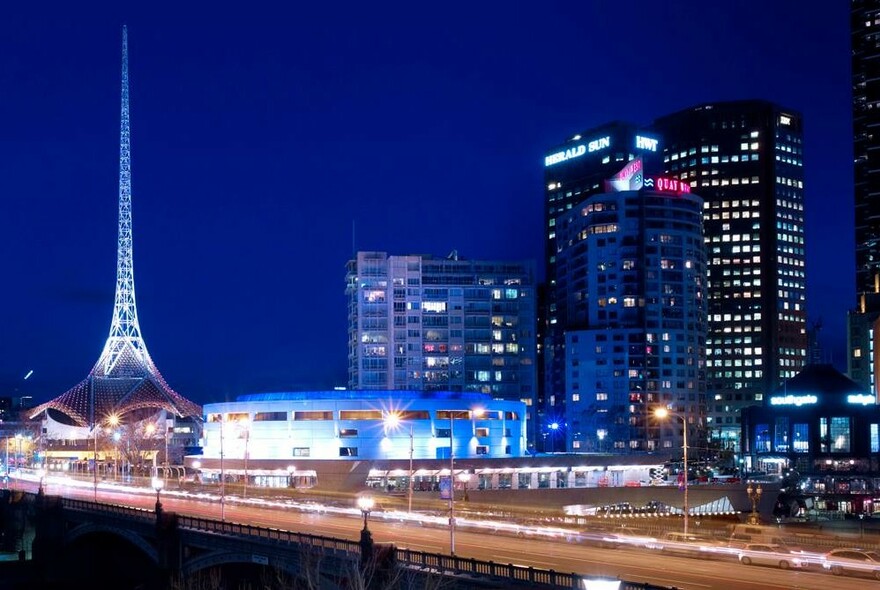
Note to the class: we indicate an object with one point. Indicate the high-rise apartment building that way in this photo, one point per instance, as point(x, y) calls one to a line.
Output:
point(442, 324)
point(745, 158)
point(573, 171)
point(865, 39)
point(631, 276)
point(862, 345)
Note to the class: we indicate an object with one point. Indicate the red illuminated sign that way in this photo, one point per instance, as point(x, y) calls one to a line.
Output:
point(628, 179)
point(671, 185)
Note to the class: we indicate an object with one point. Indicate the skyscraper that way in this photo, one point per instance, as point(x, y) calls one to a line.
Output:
point(745, 158)
point(442, 324)
point(865, 39)
point(631, 275)
point(573, 171)
point(862, 321)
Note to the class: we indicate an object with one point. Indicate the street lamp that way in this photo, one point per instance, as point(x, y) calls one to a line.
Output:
point(754, 495)
point(158, 483)
point(451, 482)
point(663, 413)
point(554, 429)
point(476, 413)
point(365, 503)
point(222, 474)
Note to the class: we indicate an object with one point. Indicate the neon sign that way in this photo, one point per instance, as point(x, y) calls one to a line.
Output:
point(861, 399)
point(578, 151)
point(793, 400)
point(646, 143)
point(599, 144)
point(668, 185)
point(564, 155)
point(628, 179)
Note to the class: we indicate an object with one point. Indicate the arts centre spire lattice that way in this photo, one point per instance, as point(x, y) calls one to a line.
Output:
point(124, 379)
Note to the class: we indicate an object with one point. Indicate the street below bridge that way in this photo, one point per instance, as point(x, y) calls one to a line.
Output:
point(633, 564)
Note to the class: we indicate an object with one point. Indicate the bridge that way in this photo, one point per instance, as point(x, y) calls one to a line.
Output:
point(172, 548)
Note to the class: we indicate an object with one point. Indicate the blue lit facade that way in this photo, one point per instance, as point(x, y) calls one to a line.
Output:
point(281, 428)
point(632, 268)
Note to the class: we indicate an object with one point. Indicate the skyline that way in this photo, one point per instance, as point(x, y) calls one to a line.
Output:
point(234, 158)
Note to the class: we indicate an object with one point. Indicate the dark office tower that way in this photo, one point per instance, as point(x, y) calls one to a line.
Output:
point(574, 171)
point(863, 320)
point(865, 30)
point(745, 158)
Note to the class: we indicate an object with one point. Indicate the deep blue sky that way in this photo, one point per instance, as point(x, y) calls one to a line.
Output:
point(260, 136)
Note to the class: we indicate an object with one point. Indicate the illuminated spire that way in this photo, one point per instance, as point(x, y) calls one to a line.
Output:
point(124, 379)
point(125, 333)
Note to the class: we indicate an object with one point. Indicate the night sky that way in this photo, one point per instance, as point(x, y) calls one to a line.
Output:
point(268, 145)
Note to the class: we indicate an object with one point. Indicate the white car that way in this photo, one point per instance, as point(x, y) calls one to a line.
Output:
point(852, 561)
point(772, 555)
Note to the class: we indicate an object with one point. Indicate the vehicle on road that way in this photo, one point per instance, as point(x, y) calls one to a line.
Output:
point(770, 555)
point(687, 545)
point(852, 562)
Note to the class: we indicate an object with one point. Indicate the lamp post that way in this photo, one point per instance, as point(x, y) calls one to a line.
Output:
point(409, 490)
point(554, 429)
point(451, 483)
point(42, 474)
point(365, 503)
point(663, 413)
point(291, 469)
point(754, 495)
point(158, 484)
point(222, 475)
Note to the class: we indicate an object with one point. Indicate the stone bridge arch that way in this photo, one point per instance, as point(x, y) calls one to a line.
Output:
point(135, 539)
point(294, 566)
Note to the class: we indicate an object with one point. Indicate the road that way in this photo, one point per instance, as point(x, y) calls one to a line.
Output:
point(632, 564)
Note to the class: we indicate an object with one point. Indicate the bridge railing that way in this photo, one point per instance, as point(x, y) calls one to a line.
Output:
point(461, 566)
point(141, 514)
point(265, 533)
